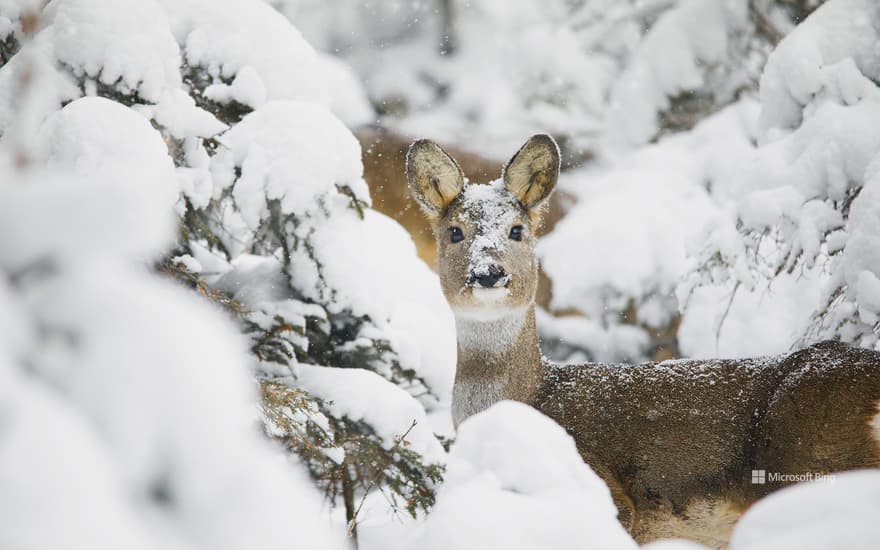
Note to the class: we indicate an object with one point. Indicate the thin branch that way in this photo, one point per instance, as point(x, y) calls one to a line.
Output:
point(352, 525)
point(724, 316)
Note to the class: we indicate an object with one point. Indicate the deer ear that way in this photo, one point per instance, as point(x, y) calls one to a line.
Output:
point(532, 172)
point(434, 177)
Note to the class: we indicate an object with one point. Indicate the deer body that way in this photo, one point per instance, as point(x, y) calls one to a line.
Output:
point(676, 441)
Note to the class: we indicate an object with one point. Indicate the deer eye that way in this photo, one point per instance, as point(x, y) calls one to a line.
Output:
point(516, 232)
point(455, 235)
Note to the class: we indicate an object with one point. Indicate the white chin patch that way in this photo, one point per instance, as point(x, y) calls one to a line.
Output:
point(489, 295)
point(487, 304)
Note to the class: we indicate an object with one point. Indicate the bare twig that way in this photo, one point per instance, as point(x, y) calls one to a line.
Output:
point(352, 524)
point(724, 316)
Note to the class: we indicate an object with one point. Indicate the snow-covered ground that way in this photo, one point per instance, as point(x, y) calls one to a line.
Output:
point(719, 182)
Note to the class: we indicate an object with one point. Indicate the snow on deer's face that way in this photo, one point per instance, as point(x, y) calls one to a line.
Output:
point(485, 232)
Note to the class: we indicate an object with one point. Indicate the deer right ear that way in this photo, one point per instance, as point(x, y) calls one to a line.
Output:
point(532, 172)
point(434, 177)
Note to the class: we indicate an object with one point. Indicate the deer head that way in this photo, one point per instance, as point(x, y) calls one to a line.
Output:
point(485, 232)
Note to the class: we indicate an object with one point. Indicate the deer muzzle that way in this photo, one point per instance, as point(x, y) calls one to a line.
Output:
point(492, 277)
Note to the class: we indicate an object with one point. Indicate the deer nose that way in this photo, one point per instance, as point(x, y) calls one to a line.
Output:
point(490, 277)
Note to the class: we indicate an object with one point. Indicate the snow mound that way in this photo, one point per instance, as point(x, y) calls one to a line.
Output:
point(123, 44)
point(832, 54)
point(89, 507)
point(670, 60)
point(197, 453)
point(101, 139)
point(291, 151)
point(515, 480)
point(280, 63)
point(354, 393)
point(840, 512)
point(116, 162)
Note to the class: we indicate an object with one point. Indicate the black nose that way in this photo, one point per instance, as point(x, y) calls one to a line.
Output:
point(489, 277)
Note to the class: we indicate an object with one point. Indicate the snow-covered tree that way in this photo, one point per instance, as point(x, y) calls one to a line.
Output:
point(782, 180)
point(349, 335)
point(807, 196)
point(127, 417)
point(643, 196)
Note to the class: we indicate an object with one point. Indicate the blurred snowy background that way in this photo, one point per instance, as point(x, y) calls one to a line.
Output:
point(219, 323)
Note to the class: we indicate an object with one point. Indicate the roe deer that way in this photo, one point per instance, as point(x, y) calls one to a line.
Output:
point(677, 441)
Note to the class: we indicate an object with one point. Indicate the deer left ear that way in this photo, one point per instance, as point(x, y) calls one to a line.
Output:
point(434, 178)
point(532, 172)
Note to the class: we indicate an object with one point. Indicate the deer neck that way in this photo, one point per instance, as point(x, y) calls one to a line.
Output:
point(498, 358)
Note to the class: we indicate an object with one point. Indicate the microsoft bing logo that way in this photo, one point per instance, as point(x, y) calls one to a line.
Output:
point(762, 477)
